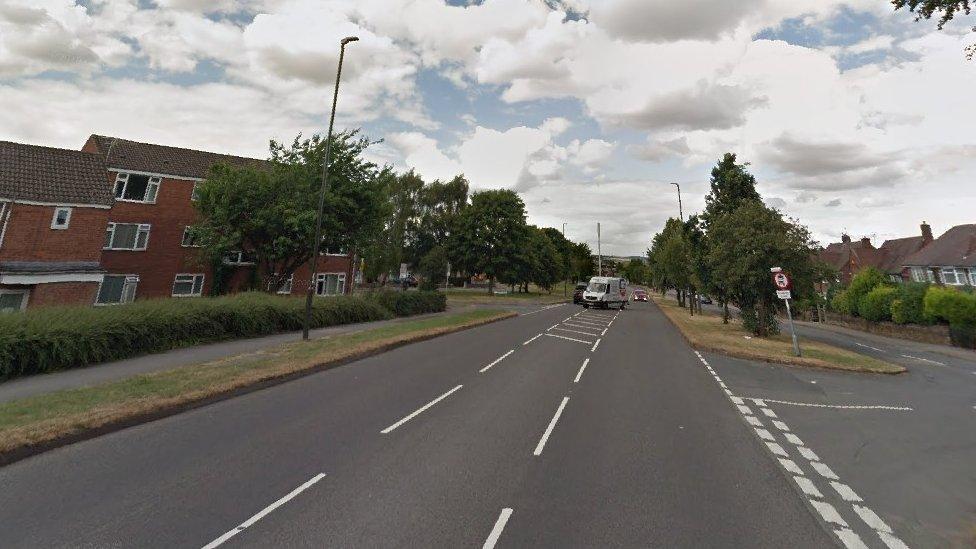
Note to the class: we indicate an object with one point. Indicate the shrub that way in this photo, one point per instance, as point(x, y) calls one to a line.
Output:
point(950, 305)
point(907, 308)
point(841, 303)
point(410, 303)
point(57, 338)
point(862, 283)
point(876, 304)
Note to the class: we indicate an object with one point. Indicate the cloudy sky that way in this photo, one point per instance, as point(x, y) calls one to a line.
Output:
point(853, 117)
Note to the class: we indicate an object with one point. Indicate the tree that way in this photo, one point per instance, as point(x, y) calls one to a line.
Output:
point(583, 265)
point(731, 186)
point(387, 253)
point(636, 271)
point(438, 204)
point(270, 211)
point(565, 249)
point(947, 10)
point(488, 235)
point(745, 244)
point(669, 259)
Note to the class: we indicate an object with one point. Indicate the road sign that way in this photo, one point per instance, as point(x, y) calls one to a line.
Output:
point(783, 294)
point(782, 281)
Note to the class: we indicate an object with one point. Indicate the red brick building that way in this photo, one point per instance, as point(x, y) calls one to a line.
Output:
point(54, 206)
point(148, 247)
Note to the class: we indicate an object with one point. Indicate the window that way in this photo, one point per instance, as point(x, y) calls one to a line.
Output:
point(188, 285)
point(61, 219)
point(195, 193)
point(953, 276)
point(285, 287)
point(330, 284)
point(189, 238)
point(117, 289)
point(12, 301)
point(972, 276)
point(126, 236)
point(922, 274)
point(334, 251)
point(237, 257)
point(136, 188)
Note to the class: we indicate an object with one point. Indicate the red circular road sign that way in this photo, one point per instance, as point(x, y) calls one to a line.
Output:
point(782, 281)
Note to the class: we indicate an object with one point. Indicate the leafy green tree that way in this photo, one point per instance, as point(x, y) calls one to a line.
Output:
point(908, 306)
point(636, 271)
point(489, 234)
point(745, 244)
point(549, 266)
point(387, 253)
point(863, 282)
point(669, 259)
point(565, 249)
point(270, 211)
point(876, 304)
point(731, 187)
point(583, 264)
point(438, 205)
point(946, 10)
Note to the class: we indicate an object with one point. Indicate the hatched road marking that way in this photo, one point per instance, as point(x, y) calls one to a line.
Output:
point(421, 410)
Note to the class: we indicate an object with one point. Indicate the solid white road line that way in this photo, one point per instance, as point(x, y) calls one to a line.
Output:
point(533, 339)
point(868, 347)
point(569, 338)
point(552, 425)
point(496, 532)
point(573, 331)
point(808, 487)
point(591, 322)
point(580, 373)
point(249, 522)
point(543, 309)
point(923, 360)
point(838, 406)
point(604, 332)
point(497, 360)
point(595, 345)
point(421, 410)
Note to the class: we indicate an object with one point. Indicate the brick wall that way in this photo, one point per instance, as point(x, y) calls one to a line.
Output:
point(62, 293)
point(29, 235)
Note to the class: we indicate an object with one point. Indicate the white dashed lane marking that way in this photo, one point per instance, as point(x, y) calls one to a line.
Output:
point(580, 373)
point(496, 532)
point(532, 339)
point(837, 406)
point(497, 360)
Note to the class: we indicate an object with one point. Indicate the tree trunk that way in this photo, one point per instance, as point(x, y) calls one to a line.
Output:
point(491, 285)
point(352, 283)
point(725, 312)
point(761, 330)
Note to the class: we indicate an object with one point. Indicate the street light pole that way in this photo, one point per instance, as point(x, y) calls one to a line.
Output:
point(565, 275)
point(317, 244)
point(681, 214)
point(599, 254)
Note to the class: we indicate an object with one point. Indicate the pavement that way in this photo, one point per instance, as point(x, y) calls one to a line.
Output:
point(120, 369)
point(559, 428)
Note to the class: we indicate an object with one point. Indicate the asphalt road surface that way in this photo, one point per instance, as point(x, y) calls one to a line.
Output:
point(561, 428)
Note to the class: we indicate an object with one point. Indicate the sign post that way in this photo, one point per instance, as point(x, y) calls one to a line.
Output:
point(783, 286)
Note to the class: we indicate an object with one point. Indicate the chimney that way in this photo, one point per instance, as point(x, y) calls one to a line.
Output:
point(926, 233)
point(845, 238)
point(866, 242)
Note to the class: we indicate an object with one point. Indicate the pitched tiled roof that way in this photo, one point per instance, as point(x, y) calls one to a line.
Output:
point(955, 248)
point(896, 250)
point(161, 159)
point(838, 254)
point(46, 174)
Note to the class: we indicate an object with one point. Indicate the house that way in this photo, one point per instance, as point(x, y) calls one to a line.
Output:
point(849, 257)
point(149, 251)
point(949, 259)
point(54, 206)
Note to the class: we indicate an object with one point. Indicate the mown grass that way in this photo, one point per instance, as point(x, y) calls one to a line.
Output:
point(706, 332)
point(58, 415)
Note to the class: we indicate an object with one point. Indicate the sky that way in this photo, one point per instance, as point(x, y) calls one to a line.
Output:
point(853, 117)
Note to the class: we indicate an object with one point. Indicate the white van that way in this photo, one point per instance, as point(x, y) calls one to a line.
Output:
point(604, 292)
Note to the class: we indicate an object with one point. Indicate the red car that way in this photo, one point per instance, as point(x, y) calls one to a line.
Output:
point(640, 295)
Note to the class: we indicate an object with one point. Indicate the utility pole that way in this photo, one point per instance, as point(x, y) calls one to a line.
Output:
point(317, 243)
point(599, 254)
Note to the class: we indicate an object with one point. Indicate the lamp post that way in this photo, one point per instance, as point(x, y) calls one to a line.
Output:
point(317, 243)
point(565, 275)
point(680, 212)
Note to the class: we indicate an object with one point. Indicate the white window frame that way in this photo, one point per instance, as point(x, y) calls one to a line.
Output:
point(183, 243)
point(972, 276)
point(192, 281)
point(194, 196)
point(340, 283)
point(5, 212)
point(141, 227)
point(238, 261)
point(289, 284)
point(67, 218)
point(955, 275)
point(129, 288)
point(152, 188)
point(25, 296)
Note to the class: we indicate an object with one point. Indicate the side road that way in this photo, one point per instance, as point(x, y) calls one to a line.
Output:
point(176, 358)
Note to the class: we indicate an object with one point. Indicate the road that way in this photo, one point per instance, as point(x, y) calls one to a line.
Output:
point(561, 428)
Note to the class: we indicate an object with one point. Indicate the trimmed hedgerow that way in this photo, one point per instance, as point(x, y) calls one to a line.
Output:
point(908, 306)
point(410, 303)
point(876, 304)
point(57, 338)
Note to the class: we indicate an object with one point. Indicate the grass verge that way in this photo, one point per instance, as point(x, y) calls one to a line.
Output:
point(39, 423)
point(706, 332)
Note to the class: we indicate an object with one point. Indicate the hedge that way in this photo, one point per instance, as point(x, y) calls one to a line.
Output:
point(876, 304)
point(410, 303)
point(908, 307)
point(951, 305)
point(58, 338)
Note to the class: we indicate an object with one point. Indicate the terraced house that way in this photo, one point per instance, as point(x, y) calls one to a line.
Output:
point(112, 223)
point(54, 206)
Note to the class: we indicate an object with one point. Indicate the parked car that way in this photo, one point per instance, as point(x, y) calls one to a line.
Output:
point(640, 295)
point(578, 293)
point(705, 299)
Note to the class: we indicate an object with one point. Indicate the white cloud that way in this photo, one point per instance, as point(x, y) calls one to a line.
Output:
point(421, 153)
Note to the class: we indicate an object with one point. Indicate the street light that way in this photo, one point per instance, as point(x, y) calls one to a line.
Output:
point(317, 244)
point(680, 213)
